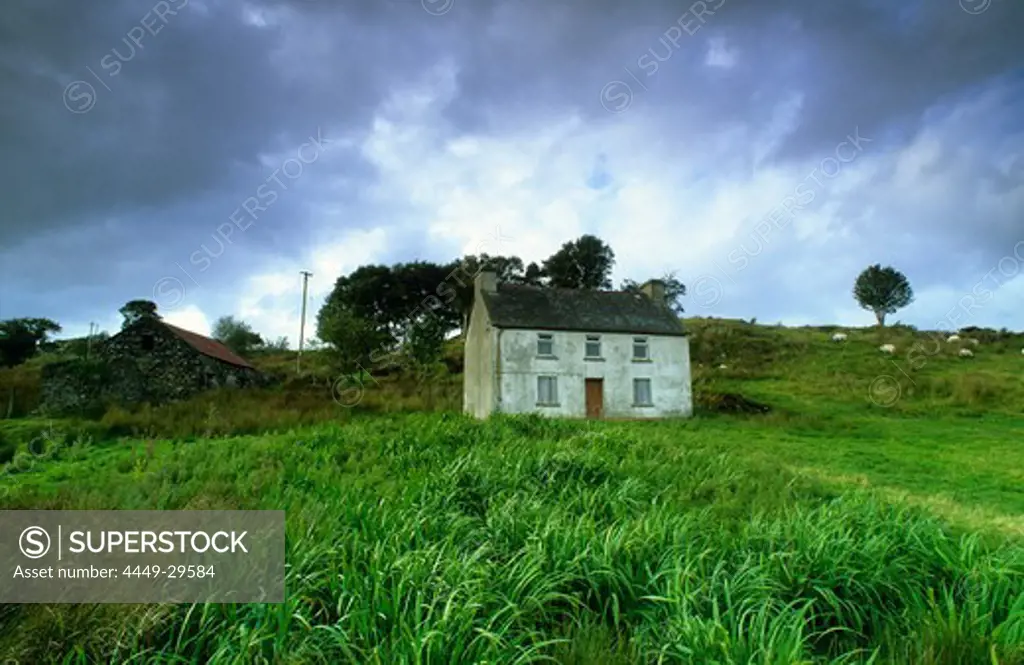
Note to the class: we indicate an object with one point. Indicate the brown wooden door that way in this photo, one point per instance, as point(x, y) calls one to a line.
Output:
point(595, 398)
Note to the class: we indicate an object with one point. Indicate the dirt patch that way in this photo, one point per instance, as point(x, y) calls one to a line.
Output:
point(730, 403)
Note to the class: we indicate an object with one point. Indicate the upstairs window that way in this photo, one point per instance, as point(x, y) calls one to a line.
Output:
point(640, 349)
point(593, 347)
point(545, 344)
point(147, 342)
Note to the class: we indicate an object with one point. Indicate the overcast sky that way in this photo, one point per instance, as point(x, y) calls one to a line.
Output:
point(201, 153)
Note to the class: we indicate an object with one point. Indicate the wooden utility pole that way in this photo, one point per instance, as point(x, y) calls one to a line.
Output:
point(88, 340)
point(302, 323)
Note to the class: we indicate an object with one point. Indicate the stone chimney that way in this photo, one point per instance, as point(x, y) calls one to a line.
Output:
point(486, 281)
point(655, 290)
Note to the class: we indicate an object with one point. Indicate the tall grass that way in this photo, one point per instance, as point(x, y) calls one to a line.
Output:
point(436, 539)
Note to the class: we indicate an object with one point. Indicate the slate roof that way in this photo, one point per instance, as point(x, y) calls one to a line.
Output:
point(545, 308)
point(208, 347)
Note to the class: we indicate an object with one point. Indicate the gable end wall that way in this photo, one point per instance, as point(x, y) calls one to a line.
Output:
point(479, 376)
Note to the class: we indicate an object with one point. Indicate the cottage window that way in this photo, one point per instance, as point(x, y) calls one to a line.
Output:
point(547, 390)
point(545, 344)
point(640, 349)
point(147, 342)
point(642, 392)
point(593, 347)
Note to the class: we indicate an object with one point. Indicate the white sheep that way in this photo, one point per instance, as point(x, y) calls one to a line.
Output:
point(839, 337)
point(966, 353)
point(887, 348)
point(953, 338)
point(974, 341)
point(722, 367)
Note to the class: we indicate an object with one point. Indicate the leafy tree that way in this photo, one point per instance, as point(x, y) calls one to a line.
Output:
point(20, 338)
point(509, 269)
point(882, 290)
point(533, 276)
point(423, 347)
point(393, 298)
point(134, 310)
point(372, 293)
point(424, 343)
point(423, 294)
point(280, 344)
point(675, 291)
point(463, 272)
point(584, 263)
point(630, 286)
point(237, 335)
point(353, 340)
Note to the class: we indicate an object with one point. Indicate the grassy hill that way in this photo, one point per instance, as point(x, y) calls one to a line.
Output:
point(790, 368)
point(797, 372)
point(802, 370)
point(860, 520)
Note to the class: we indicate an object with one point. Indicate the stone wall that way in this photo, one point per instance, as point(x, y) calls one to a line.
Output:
point(73, 385)
point(144, 363)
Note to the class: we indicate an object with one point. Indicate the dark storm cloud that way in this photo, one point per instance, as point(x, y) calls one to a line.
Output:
point(188, 109)
point(870, 69)
point(170, 145)
point(202, 97)
point(858, 63)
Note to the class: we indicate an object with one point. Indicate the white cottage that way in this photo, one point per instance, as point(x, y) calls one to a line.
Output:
point(575, 353)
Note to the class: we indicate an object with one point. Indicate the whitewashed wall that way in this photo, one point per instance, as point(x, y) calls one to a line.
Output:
point(478, 374)
point(669, 371)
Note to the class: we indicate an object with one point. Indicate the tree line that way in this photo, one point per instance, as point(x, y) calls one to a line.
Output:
point(381, 313)
point(405, 307)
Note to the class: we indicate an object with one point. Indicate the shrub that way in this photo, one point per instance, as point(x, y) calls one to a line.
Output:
point(986, 335)
point(20, 390)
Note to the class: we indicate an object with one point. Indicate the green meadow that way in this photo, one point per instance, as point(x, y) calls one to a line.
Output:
point(858, 521)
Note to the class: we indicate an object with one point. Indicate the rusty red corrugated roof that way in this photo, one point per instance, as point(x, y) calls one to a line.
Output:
point(208, 347)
